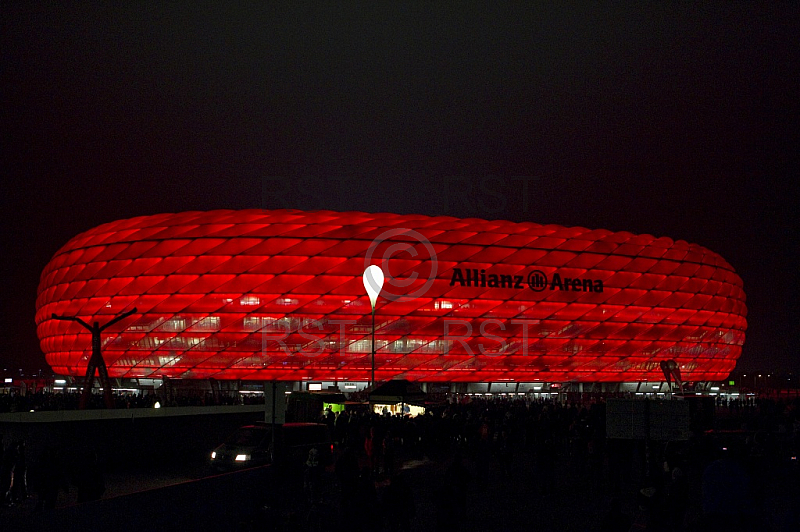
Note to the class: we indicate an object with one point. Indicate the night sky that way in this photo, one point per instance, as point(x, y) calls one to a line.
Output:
point(673, 120)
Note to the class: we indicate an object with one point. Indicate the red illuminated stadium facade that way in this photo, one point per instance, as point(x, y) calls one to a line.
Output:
point(265, 295)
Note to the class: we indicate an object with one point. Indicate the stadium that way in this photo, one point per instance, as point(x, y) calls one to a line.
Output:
point(260, 295)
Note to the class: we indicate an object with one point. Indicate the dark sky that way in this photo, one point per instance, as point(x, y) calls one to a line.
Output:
point(674, 120)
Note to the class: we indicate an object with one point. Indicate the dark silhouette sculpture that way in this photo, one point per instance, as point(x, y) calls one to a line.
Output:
point(672, 372)
point(96, 362)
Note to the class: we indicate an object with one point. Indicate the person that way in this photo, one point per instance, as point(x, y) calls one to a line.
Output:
point(50, 478)
point(484, 452)
point(677, 498)
point(89, 477)
point(7, 475)
point(726, 492)
point(453, 495)
point(399, 505)
point(505, 453)
point(594, 461)
point(372, 446)
point(312, 486)
point(346, 470)
point(19, 489)
point(312, 477)
point(340, 427)
point(388, 453)
point(329, 418)
point(615, 520)
point(367, 497)
point(546, 456)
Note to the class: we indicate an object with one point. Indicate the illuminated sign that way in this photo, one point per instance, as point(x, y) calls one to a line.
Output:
point(536, 281)
point(478, 278)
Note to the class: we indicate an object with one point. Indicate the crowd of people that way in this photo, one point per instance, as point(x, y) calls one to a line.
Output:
point(717, 476)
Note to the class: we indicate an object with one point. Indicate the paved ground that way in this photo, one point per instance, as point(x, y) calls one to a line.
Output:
point(496, 503)
point(525, 499)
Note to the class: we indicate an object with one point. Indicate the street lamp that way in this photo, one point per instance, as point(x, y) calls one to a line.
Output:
point(373, 282)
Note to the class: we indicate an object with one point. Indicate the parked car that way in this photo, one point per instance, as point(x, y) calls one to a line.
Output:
point(251, 446)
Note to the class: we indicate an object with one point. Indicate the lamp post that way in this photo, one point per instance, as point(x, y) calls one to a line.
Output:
point(373, 282)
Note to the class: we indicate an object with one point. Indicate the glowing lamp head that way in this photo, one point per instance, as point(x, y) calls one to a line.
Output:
point(373, 282)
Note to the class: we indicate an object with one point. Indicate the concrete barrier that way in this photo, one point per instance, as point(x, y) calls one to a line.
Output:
point(54, 416)
point(166, 435)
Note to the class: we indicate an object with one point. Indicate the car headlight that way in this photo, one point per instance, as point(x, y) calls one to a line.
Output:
point(213, 454)
point(242, 457)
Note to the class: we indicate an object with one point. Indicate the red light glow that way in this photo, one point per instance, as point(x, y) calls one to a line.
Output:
point(279, 295)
